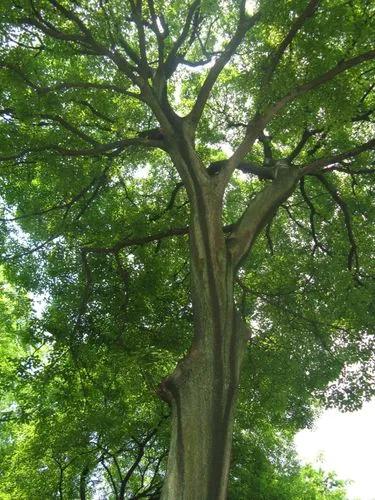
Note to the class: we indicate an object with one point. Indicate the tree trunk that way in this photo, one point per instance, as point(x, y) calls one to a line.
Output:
point(202, 390)
point(82, 483)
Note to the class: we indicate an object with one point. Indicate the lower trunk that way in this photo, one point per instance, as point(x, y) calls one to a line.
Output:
point(82, 483)
point(202, 393)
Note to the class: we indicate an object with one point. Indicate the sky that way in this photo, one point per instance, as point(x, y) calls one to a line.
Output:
point(344, 443)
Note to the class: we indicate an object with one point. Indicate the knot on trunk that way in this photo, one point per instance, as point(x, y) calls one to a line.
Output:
point(164, 390)
point(169, 388)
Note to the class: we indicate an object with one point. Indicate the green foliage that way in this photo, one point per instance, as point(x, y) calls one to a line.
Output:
point(265, 468)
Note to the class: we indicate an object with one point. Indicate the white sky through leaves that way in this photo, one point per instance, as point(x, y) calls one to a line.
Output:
point(344, 443)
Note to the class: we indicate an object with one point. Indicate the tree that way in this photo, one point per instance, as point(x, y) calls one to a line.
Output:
point(189, 97)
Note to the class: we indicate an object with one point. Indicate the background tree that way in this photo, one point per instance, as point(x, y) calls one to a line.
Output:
point(126, 127)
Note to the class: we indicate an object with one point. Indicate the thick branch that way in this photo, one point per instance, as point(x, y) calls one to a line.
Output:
point(245, 167)
point(160, 34)
point(136, 16)
point(82, 482)
point(267, 148)
point(259, 212)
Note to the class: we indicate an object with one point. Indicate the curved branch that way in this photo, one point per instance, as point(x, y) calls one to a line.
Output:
point(296, 26)
point(85, 39)
point(246, 167)
point(245, 23)
point(142, 240)
point(69, 14)
point(36, 248)
point(313, 212)
point(61, 206)
point(171, 60)
point(301, 144)
point(109, 149)
point(259, 212)
point(110, 476)
point(317, 165)
point(335, 195)
point(71, 128)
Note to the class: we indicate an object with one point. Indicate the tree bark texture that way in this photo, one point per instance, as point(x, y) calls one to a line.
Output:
point(202, 389)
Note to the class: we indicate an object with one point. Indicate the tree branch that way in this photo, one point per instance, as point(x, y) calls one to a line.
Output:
point(335, 195)
point(320, 80)
point(260, 120)
point(136, 16)
point(296, 26)
point(69, 14)
point(245, 23)
point(87, 85)
point(313, 212)
point(259, 212)
point(68, 85)
point(341, 168)
point(142, 240)
point(109, 149)
point(36, 248)
point(246, 167)
point(301, 144)
point(267, 148)
point(61, 206)
point(85, 40)
point(141, 451)
point(111, 478)
point(71, 128)
point(317, 165)
point(97, 113)
point(171, 60)
point(160, 34)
